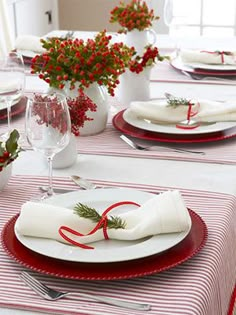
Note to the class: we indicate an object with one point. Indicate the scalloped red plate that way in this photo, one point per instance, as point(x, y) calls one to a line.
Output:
point(16, 109)
point(184, 250)
point(120, 124)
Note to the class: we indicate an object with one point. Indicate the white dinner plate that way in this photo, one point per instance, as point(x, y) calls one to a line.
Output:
point(28, 53)
point(106, 251)
point(218, 67)
point(215, 70)
point(131, 118)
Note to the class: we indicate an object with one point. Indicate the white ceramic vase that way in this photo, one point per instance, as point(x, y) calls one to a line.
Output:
point(134, 87)
point(140, 39)
point(5, 175)
point(99, 96)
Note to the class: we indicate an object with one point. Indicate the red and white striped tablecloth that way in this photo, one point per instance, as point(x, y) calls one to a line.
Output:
point(203, 285)
point(109, 143)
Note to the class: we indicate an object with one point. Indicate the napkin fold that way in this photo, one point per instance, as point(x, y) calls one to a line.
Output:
point(29, 43)
point(164, 213)
point(207, 57)
point(207, 111)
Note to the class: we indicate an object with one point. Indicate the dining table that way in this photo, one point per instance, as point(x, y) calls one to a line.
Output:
point(195, 277)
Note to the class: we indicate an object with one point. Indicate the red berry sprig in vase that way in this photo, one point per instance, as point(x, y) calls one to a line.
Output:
point(133, 15)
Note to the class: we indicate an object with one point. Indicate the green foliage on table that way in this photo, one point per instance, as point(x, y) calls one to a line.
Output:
point(87, 212)
point(9, 149)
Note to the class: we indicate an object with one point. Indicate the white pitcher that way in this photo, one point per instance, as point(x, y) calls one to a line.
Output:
point(140, 39)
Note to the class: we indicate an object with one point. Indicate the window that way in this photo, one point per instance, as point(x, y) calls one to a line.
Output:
point(201, 17)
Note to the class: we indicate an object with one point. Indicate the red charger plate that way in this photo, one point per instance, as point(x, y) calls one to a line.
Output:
point(188, 247)
point(120, 124)
point(15, 109)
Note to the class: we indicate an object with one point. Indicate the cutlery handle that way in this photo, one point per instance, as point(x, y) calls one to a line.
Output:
point(153, 148)
point(116, 302)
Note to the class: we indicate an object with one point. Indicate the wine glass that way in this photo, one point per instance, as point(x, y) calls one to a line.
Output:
point(168, 12)
point(171, 20)
point(12, 82)
point(48, 127)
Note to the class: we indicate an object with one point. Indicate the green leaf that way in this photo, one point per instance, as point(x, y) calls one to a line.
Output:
point(12, 142)
point(1, 150)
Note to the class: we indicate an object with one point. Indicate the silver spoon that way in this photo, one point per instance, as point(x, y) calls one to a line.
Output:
point(83, 183)
point(44, 189)
point(87, 184)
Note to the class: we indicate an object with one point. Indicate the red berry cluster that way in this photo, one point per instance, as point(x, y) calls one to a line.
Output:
point(134, 15)
point(78, 108)
point(9, 149)
point(4, 159)
point(82, 62)
point(149, 57)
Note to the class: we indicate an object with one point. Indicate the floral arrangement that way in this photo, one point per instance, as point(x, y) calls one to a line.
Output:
point(9, 149)
point(78, 107)
point(82, 62)
point(134, 15)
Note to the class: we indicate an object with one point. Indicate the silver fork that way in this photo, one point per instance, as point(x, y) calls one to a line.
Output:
point(231, 80)
point(53, 295)
point(137, 146)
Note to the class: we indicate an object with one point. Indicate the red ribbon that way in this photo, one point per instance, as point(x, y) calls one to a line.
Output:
point(102, 223)
point(190, 113)
point(221, 53)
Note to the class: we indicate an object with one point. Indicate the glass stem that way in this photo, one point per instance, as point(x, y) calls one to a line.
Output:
point(9, 115)
point(50, 187)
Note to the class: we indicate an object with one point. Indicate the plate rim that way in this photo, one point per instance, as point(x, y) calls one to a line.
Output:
point(108, 271)
point(120, 124)
point(146, 247)
point(128, 111)
point(211, 67)
point(178, 65)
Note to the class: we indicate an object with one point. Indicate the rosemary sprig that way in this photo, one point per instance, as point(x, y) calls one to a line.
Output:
point(87, 212)
point(177, 101)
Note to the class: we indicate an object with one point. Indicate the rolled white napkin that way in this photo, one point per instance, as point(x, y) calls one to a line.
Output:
point(208, 111)
point(29, 43)
point(164, 213)
point(205, 57)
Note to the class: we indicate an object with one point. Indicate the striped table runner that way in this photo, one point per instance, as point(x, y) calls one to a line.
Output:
point(109, 143)
point(164, 72)
point(201, 286)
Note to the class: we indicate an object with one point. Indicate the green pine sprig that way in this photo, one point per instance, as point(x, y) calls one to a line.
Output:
point(177, 101)
point(87, 212)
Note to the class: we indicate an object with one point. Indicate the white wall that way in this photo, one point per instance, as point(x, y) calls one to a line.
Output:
point(93, 15)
